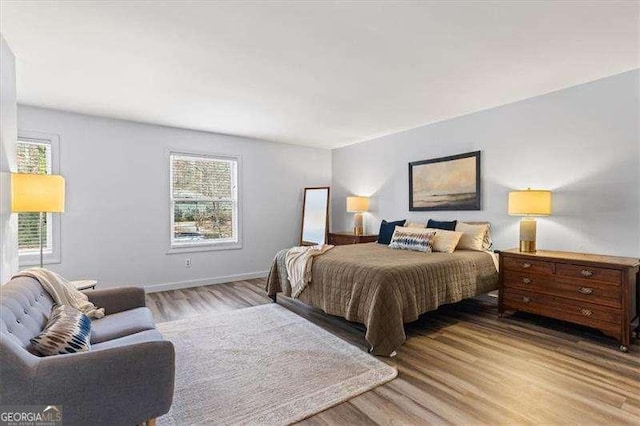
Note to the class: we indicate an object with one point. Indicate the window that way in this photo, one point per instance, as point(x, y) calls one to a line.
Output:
point(37, 153)
point(204, 201)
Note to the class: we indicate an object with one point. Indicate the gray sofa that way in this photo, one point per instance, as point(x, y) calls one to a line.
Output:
point(126, 378)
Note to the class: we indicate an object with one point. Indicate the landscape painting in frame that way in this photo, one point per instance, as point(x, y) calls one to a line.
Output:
point(447, 183)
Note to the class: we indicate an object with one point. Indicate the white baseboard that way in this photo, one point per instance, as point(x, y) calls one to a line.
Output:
point(154, 288)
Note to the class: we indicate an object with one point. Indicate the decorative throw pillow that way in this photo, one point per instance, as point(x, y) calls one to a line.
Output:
point(412, 239)
point(473, 236)
point(487, 242)
point(438, 224)
point(445, 241)
point(386, 230)
point(67, 331)
point(415, 225)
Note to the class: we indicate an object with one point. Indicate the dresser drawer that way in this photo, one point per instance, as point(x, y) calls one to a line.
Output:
point(527, 280)
point(583, 290)
point(565, 309)
point(613, 276)
point(527, 265)
point(588, 291)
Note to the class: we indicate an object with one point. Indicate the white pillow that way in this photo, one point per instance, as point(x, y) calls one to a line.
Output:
point(445, 241)
point(487, 243)
point(472, 237)
point(415, 225)
point(412, 239)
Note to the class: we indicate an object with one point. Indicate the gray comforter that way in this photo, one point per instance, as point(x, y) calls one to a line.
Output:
point(384, 288)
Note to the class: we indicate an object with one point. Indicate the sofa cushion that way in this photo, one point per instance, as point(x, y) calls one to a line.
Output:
point(67, 332)
point(24, 309)
point(132, 339)
point(121, 324)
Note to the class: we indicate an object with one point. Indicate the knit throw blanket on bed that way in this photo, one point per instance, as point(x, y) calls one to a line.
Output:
point(299, 262)
point(62, 291)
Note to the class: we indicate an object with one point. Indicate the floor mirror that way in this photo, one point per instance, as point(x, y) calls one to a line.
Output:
point(315, 216)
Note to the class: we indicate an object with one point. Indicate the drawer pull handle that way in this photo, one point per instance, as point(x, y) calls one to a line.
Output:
point(586, 273)
point(586, 312)
point(585, 290)
point(526, 280)
point(525, 299)
point(526, 265)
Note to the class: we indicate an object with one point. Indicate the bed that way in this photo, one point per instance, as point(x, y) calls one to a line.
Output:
point(384, 288)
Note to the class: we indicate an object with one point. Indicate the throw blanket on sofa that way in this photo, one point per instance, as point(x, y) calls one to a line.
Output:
point(62, 291)
point(299, 262)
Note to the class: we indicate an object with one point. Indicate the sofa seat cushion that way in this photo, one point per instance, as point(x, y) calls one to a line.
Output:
point(121, 324)
point(132, 339)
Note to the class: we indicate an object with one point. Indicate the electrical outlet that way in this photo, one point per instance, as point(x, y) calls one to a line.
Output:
point(187, 263)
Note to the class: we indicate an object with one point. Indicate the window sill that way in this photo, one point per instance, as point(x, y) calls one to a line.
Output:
point(30, 260)
point(203, 247)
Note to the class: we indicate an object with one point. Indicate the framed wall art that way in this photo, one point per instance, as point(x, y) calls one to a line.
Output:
point(446, 183)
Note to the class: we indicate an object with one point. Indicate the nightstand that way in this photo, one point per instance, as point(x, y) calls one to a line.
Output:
point(592, 290)
point(344, 238)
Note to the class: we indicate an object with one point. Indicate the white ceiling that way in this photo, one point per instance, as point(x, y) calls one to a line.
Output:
point(325, 74)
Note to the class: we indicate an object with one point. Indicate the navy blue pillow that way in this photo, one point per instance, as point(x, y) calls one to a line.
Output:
point(437, 224)
point(386, 230)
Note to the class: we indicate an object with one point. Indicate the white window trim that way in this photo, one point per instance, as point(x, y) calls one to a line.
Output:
point(206, 245)
point(54, 255)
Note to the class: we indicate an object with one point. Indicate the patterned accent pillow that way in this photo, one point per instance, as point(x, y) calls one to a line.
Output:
point(415, 239)
point(67, 331)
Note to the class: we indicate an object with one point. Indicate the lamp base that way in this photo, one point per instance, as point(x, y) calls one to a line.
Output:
point(358, 228)
point(527, 246)
point(528, 235)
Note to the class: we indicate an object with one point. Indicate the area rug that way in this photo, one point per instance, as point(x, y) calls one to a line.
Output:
point(263, 365)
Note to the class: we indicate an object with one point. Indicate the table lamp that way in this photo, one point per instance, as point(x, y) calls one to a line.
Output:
point(357, 205)
point(33, 193)
point(529, 203)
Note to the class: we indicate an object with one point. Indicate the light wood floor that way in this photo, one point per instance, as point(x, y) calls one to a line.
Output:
point(462, 365)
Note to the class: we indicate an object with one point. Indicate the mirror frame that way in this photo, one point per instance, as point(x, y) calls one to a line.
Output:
point(304, 203)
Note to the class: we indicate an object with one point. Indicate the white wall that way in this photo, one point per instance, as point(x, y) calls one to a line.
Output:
point(8, 222)
point(583, 143)
point(116, 225)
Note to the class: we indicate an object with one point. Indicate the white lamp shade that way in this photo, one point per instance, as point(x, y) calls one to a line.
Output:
point(531, 202)
point(37, 193)
point(357, 204)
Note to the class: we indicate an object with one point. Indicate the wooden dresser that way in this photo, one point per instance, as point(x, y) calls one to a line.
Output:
point(591, 290)
point(344, 238)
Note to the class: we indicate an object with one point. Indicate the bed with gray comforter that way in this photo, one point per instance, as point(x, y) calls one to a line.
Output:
point(384, 288)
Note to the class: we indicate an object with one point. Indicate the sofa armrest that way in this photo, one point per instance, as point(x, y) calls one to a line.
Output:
point(17, 371)
point(119, 299)
point(124, 385)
